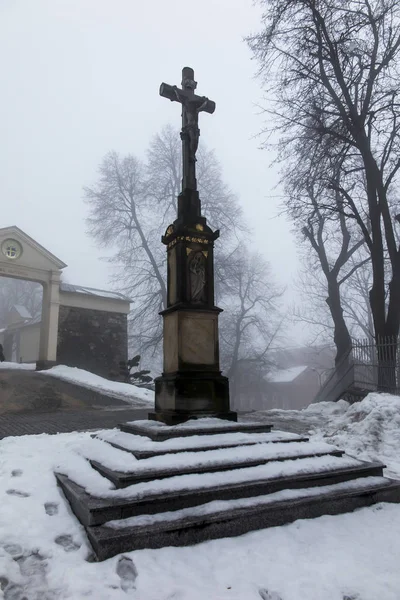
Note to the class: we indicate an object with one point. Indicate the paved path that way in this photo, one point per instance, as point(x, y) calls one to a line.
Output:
point(66, 421)
point(295, 421)
point(32, 403)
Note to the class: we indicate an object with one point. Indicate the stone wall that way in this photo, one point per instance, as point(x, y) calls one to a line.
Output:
point(93, 340)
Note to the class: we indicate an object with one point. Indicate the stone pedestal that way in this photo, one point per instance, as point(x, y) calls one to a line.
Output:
point(191, 385)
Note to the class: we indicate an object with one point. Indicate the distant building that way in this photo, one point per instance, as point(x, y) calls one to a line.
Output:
point(291, 388)
point(21, 336)
point(293, 382)
point(78, 326)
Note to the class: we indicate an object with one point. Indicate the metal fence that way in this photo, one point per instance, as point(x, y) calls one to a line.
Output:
point(370, 365)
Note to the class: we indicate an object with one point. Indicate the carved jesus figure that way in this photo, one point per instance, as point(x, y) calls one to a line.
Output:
point(190, 121)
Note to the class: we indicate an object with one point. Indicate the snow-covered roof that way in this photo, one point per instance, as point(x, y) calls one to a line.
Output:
point(285, 375)
point(25, 323)
point(78, 289)
point(22, 311)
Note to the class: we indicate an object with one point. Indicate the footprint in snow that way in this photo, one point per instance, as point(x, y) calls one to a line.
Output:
point(16, 473)
point(127, 572)
point(67, 542)
point(51, 508)
point(352, 597)
point(266, 595)
point(17, 493)
point(3, 583)
point(15, 550)
point(33, 584)
point(14, 591)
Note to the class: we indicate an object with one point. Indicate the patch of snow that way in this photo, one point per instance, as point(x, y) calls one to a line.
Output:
point(219, 506)
point(18, 366)
point(327, 408)
point(121, 461)
point(369, 429)
point(117, 389)
point(285, 375)
point(180, 483)
point(138, 442)
point(190, 426)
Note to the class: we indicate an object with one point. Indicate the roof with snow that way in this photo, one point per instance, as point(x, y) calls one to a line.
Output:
point(78, 289)
point(26, 323)
point(285, 375)
point(22, 311)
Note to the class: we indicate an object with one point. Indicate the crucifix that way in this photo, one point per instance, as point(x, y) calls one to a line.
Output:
point(192, 105)
point(191, 385)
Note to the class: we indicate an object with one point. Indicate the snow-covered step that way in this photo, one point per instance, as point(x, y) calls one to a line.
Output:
point(122, 473)
point(159, 432)
point(236, 517)
point(143, 448)
point(185, 491)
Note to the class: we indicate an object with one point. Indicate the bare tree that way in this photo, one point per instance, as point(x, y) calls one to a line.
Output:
point(121, 217)
point(19, 292)
point(333, 70)
point(251, 320)
point(331, 241)
point(355, 298)
point(130, 206)
point(164, 174)
point(312, 308)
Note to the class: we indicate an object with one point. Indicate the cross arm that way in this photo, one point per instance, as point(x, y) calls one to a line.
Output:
point(173, 93)
point(170, 91)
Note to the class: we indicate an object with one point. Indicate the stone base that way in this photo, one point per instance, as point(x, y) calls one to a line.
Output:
point(182, 510)
point(44, 365)
point(191, 395)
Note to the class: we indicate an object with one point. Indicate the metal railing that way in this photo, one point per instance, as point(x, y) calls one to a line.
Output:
point(341, 379)
point(369, 366)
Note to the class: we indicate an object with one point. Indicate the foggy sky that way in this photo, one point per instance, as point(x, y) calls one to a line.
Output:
point(81, 77)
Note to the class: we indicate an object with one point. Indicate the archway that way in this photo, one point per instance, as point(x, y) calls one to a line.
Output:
point(21, 257)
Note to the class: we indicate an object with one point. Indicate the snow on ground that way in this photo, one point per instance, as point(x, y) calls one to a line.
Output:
point(369, 429)
point(43, 549)
point(13, 365)
point(90, 380)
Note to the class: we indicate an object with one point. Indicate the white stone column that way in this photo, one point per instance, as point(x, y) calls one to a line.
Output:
point(49, 327)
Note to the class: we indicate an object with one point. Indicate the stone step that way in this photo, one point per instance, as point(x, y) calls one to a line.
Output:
point(159, 432)
point(123, 479)
point(92, 510)
point(143, 449)
point(233, 518)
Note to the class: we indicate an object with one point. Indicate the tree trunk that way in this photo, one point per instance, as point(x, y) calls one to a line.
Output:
point(341, 334)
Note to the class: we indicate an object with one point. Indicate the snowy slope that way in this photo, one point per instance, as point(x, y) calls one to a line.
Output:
point(116, 388)
point(126, 391)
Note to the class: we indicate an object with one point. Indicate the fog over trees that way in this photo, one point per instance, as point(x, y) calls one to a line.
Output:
point(131, 204)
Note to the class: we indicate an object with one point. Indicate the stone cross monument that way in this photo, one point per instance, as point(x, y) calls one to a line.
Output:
point(191, 385)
